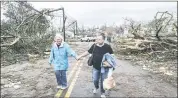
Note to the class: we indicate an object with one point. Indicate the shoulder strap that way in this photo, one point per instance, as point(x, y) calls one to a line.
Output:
point(93, 48)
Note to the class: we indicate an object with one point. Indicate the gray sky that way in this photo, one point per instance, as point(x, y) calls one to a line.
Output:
point(99, 13)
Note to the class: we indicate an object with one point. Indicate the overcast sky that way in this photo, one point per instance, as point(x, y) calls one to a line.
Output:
point(98, 13)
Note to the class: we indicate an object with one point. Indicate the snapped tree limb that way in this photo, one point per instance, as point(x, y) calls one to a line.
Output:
point(14, 42)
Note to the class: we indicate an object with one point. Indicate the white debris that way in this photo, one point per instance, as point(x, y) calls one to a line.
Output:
point(12, 84)
point(16, 86)
point(18, 82)
point(6, 86)
point(168, 73)
point(144, 67)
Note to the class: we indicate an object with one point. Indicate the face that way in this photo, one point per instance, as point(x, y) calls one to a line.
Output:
point(99, 40)
point(58, 41)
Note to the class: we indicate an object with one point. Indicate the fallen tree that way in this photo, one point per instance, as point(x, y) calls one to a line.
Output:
point(26, 30)
point(150, 43)
point(152, 46)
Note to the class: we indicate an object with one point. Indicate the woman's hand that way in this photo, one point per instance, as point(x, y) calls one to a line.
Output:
point(78, 58)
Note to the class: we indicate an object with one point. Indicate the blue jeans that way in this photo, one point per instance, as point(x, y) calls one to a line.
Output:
point(98, 76)
point(61, 77)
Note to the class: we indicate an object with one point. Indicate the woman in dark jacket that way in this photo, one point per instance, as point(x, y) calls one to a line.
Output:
point(98, 49)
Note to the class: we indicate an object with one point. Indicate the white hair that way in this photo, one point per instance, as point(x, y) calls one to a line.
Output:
point(58, 35)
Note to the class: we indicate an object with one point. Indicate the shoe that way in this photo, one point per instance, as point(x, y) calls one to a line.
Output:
point(63, 88)
point(103, 96)
point(107, 93)
point(59, 87)
point(94, 90)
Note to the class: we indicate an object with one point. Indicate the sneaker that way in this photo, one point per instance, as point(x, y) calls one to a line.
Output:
point(58, 87)
point(94, 90)
point(107, 93)
point(103, 96)
point(63, 88)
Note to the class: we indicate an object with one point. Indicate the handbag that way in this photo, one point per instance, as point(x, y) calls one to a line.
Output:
point(106, 64)
point(90, 63)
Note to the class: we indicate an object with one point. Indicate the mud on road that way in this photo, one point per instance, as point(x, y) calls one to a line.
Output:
point(38, 80)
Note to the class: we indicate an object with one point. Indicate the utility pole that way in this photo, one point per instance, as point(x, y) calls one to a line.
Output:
point(63, 23)
point(76, 27)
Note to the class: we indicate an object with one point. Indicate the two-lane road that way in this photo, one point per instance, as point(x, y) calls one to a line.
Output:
point(131, 81)
point(38, 79)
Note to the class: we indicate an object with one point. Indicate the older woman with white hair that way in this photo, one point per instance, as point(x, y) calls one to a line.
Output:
point(59, 59)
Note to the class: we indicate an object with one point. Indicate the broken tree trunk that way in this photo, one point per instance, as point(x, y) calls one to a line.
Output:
point(14, 42)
